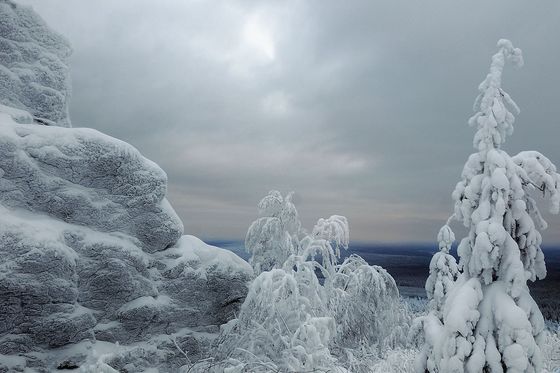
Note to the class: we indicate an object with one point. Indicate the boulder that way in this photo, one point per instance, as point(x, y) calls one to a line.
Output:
point(95, 271)
point(33, 65)
point(93, 252)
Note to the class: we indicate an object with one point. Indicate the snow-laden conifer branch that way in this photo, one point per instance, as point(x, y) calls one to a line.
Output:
point(489, 322)
point(493, 118)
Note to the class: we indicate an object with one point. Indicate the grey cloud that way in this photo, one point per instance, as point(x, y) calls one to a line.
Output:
point(363, 110)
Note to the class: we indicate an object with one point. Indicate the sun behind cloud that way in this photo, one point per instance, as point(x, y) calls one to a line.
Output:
point(257, 36)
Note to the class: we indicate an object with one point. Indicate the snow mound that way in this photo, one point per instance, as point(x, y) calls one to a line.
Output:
point(92, 251)
point(34, 72)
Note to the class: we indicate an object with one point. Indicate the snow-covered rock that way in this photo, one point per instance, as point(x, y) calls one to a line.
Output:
point(92, 251)
point(34, 72)
point(87, 178)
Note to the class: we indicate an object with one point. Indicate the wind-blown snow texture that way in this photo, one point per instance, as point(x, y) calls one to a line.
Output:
point(92, 250)
point(33, 65)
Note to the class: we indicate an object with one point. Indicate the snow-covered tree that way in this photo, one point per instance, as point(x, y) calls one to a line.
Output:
point(309, 313)
point(274, 236)
point(284, 323)
point(443, 271)
point(426, 332)
point(426, 329)
point(490, 321)
point(325, 241)
point(364, 300)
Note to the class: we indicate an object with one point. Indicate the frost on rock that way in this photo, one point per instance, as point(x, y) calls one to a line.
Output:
point(490, 322)
point(93, 251)
point(88, 178)
point(34, 72)
point(308, 312)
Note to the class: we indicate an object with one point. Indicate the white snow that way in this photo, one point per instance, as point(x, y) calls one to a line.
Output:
point(274, 236)
point(290, 321)
point(489, 319)
point(145, 301)
point(205, 257)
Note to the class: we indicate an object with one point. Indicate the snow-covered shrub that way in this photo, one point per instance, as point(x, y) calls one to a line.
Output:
point(283, 322)
point(425, 333)
point(490, 321)
point(333, 230)
point(425, 329)
point(273, 237)
point(443, 271)
point(551, 348)
point(399, 360)
point(310, 313)
point(365, 302)
point(322, 246)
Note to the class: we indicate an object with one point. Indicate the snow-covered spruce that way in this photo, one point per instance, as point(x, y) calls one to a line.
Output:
point(490, 321)
point(443, 271)
point(308, 312)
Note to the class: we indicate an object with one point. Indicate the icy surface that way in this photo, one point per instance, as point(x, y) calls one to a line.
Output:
point(34, 72)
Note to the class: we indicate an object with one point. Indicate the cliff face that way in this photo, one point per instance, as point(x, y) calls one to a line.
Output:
point(93, 257)
point(33, 65)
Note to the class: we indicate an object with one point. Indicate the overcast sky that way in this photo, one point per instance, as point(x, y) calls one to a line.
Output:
point(360, 107)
